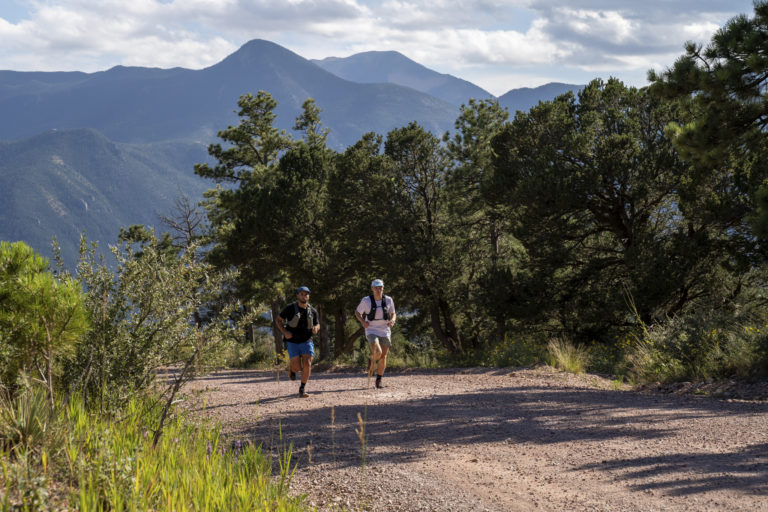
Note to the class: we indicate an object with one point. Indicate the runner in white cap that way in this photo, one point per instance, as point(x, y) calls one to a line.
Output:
point(377, 314)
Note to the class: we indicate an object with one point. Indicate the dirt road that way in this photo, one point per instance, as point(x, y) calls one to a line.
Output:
point(498, 440)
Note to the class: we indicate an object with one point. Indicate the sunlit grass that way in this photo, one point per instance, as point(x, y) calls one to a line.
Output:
point(568, 357)
point(109, 463)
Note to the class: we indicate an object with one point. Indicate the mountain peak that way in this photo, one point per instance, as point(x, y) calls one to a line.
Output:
point(526, 97)
point(372, 54)
point(256, 52)
point(395, 68)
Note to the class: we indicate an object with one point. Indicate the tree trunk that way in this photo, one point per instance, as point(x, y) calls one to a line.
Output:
point(249, 332)
point(500, 330)
point(275, 311)
point(450, 325)
point(340, 334)
point(448, 335)
point(250, 336)
point(323, 337)
point(351, 340)
point(495, 232)
point(437, 327)
point(198, 322)
point(181, 379)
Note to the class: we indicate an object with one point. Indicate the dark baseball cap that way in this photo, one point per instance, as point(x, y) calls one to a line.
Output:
point(302, 289)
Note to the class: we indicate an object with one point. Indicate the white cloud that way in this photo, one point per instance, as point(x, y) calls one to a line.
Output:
point(621, 36)
point(476, 47)
point(700, 31)
point(440, 14)
point(609, 26)
point(89, 36)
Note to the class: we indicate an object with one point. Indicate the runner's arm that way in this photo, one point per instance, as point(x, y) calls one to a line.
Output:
point(392, 314)
point(359, 314)
point(286, 333)
point(315, 322)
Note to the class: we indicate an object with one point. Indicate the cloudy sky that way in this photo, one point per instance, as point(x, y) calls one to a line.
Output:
point(496, 44)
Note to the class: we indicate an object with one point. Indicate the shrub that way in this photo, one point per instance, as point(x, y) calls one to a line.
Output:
point(647, 363)
point(524, 350)
point(705, 343)
point(152, 309)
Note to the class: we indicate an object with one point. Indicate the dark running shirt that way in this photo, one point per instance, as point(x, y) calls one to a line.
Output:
point(300, 332)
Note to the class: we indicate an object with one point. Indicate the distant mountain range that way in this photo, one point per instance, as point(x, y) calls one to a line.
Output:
point(146, 105)
point(97, 151)
point(396, 68)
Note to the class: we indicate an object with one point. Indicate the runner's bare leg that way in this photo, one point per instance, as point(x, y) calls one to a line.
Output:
point(375, 355)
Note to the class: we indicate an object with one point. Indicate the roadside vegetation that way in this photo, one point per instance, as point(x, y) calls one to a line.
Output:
point(617, 230)
point(92, 368)
point(70, 457)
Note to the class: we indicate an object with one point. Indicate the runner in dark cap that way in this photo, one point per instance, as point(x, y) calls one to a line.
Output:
point(298, 322)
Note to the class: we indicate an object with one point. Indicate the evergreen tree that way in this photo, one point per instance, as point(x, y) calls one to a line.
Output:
point(359, 216)
point(483, 250)
point(272, 224)
point(724, 85)
point(419, 232)
point(42, 317)
point(602, 214)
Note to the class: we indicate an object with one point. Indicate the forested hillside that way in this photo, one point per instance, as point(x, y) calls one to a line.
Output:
point(65, 183)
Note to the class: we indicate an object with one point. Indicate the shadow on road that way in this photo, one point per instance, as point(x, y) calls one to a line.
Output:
point(414, 428)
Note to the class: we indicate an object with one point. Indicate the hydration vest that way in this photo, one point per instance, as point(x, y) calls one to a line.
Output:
point(372, 314)
point(294, 322)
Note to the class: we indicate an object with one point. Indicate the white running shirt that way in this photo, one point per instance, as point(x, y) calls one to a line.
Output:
point(378, 326)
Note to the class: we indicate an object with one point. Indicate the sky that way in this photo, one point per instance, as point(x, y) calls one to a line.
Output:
point(496, 44)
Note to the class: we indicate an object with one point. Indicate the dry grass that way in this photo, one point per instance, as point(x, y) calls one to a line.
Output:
point(568, 357)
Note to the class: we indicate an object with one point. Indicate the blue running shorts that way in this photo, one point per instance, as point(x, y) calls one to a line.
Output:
point(297, 349)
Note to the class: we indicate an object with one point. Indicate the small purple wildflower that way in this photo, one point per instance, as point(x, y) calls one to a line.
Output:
point(237, 448)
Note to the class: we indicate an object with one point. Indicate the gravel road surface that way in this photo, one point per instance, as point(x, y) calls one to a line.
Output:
point(497, 440)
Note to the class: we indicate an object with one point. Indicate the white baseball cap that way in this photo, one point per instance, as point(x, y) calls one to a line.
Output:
point(377, 282)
